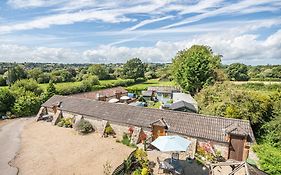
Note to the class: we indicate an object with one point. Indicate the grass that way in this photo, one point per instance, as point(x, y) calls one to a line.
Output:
point(152, 82)
point(76, 83)
point(138, 87)
point(154, 105)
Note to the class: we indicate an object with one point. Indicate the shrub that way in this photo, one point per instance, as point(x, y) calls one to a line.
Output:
point(22, 86)
point(6, 101)
point(65, 122)
point(108, 130)
point(26, 105)
point(126, 139)
point(270, 158)
point(84, 127)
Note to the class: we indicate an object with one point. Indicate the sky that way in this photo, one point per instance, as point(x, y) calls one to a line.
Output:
point(102, 31)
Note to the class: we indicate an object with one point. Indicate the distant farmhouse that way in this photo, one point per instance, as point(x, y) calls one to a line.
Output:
point(233, 137)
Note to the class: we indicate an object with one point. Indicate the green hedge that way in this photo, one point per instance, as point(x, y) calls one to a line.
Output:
point(270, 158)
point(78, 88)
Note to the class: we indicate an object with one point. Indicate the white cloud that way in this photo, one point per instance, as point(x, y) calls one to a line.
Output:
point(17, 53)
point(33, 3)
point(234, 48)
point(242, 7)
point(65, 18)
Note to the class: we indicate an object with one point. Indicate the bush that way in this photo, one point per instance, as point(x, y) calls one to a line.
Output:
point(126, 139)
point(22, 86)
point(270, 158)
point(6, 101)
point(84, 127)
point(109, 130)
point(26, 105)
point(65, 122)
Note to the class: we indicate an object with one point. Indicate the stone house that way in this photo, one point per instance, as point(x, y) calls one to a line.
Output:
point(233, 137)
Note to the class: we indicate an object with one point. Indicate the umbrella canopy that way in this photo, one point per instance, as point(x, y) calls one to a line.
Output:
point(171, 143)
point(125, 98)
point(114, 100)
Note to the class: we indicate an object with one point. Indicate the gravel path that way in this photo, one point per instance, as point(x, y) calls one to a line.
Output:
point(10, 134)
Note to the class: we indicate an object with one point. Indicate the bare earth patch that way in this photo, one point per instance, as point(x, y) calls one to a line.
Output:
point(47, 149)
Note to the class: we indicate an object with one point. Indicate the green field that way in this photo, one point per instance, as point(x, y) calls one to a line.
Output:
point(152, 82)
point(138, 86)
point(76, 83)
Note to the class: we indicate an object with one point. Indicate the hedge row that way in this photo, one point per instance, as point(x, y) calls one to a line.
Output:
point(79, 88)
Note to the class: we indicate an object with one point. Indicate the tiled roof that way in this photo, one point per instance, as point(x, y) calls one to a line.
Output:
point(111, 92)
point(147, 93)
point(182, 104)
point(190, 124)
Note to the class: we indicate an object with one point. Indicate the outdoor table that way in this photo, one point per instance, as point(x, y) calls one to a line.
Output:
point(173, 166)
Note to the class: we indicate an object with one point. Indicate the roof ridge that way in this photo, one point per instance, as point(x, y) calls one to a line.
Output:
point(168, 111)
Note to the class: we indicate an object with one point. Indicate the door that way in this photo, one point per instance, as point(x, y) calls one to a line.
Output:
point(236, 147)
point(158, 131)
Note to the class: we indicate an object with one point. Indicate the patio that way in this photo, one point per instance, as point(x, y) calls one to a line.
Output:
point(189, 167)
point(174, 156)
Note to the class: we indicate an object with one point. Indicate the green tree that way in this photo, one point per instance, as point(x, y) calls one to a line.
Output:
point(2, 81)
point(27, 104)
point(194, 67)
point(89, 81)
point(133, 69)
point(118, 72)
point(51, 90)
point(15, 73)
point(34, 73)
point(25, 85)
point(99, 70)
point(238, 72)
point(6, 101)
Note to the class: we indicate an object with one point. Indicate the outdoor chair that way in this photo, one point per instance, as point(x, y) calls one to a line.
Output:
point(161, 165)
point(175, 156)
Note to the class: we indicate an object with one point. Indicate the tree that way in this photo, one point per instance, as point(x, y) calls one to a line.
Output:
point(51, 90)
point(34, 73)
point(238, 72)
point(26, 105)
point(118, 72)
point(99, 70)
point(22, 86)
point(194, 67)
point(89, 81)
point(6, 101)
point(133, 69)
point(2, 81)
point(15, 73)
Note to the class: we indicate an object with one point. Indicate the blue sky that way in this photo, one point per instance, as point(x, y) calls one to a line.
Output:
point(101, 31)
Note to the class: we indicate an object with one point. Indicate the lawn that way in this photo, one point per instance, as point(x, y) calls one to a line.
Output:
point(76, 83)
point(152, 82)
point(136, 87)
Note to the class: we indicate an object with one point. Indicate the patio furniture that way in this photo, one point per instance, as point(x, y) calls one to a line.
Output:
point(171, 143)
point(174, 166)
point(161, 165)
point(175, 156)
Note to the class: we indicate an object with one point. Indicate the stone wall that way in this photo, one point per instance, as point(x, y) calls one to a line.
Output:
point(222, 147)
point(119, 129)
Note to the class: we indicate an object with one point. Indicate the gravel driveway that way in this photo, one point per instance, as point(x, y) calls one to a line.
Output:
point(10, 143)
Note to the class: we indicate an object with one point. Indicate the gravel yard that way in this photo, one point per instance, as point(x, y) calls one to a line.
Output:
point(47, 149)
